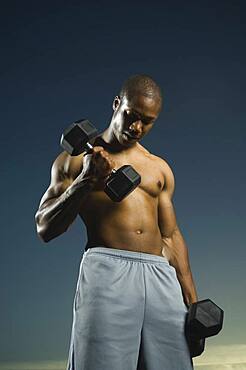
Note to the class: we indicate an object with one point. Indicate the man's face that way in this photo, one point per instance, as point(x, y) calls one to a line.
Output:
point(132, 119)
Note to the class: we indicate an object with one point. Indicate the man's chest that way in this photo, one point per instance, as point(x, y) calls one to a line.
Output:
point(152, 178)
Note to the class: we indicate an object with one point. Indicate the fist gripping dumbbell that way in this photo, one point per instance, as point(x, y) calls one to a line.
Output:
point(75, 140)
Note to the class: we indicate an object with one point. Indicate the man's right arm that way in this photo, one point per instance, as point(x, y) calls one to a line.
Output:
point(62, 200)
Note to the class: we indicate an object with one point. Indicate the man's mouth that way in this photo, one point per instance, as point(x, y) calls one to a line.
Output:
point(130, 137)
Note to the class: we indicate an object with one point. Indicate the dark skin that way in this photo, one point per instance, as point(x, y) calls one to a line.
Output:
point(145, 220)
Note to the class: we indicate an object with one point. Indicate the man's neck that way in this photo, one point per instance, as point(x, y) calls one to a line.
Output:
point(111, 144)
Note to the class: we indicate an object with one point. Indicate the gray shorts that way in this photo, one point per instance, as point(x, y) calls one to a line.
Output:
point(128, 314)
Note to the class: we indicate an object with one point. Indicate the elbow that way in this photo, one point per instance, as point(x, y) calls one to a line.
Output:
point(44, 237)
point(47, 234)
point(41, 229)
point(46, 230)
point(43, 234)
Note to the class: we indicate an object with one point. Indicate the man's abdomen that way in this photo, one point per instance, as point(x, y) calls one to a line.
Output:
point(131, 224)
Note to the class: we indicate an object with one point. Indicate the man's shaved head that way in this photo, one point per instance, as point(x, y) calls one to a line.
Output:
point(141, 84)
point(136, 108)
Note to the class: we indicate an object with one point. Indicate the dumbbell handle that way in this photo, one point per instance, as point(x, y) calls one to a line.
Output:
point(89, 147)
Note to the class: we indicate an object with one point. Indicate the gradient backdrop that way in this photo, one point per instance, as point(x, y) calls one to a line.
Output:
point(66, 60)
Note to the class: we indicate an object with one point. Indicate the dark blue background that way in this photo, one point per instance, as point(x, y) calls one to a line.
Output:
point(67, 60)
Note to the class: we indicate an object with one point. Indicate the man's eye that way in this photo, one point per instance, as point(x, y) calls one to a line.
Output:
point(147, 121)
point(131, 116)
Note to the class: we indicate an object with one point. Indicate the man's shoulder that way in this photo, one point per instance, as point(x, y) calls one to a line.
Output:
point(162, 162)
point(164, 165)
point(165, 169)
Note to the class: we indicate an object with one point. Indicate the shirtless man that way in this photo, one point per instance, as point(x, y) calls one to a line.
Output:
point(135, 281)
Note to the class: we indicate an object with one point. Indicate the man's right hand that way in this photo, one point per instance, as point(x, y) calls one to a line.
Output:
point(98, 165)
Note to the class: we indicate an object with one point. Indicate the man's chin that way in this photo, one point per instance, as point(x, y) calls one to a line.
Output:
point(126, 140)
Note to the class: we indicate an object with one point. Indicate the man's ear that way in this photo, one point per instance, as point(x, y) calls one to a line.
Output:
point(116, 102)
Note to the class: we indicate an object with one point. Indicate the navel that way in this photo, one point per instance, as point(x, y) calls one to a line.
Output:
point(139, 231)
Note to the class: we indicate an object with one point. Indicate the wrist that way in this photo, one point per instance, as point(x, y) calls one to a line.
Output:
point(190, 301)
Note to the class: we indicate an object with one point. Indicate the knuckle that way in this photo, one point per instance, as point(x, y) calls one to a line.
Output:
point(97, 149)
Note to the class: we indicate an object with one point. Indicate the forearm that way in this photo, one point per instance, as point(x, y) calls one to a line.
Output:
point(179, 259)
point(54, 216)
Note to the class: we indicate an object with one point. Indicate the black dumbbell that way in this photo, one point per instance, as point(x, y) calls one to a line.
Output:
point(204, 319)
point(75, 140)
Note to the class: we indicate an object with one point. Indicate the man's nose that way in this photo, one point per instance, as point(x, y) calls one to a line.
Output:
point(136, 127)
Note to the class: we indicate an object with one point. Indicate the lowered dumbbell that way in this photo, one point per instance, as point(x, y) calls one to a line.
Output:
point(76, 139)
point(204, 319)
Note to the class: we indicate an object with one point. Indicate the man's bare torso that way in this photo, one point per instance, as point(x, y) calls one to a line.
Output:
point(131, 224)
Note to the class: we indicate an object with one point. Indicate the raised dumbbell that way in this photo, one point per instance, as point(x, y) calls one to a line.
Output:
point(204, 319)
point(76, 139)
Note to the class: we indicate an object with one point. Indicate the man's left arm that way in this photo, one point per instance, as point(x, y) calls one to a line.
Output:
point(173, 241)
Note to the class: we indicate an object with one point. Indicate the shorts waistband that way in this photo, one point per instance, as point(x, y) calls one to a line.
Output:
point(126, 254)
